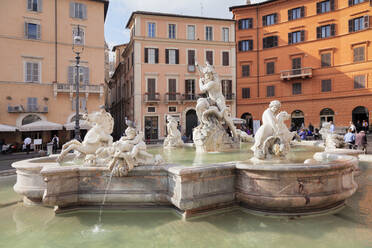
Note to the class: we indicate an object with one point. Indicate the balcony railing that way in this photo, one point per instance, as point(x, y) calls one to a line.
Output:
point(173, 97)
point(152, 97)
point(190, 97)
point(82, 88)
point(306, 72)
point(230, 96)
point(29, 109)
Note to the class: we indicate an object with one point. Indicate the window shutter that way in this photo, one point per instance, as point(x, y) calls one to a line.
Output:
point(72, 9)
point(38, 31)
point(84, 11)
point(146, 55)
point(333, 29)
point(29, 4)
point(70, 76)
point(86, 75)
point(332, 5)
point(250, 23)
point(289, 38)
point(40, 5)
point(167, 56)
point(318, 8)
point(289, 15)
point(240, 45)
point(26, 29)
point(318, 32)
point(350, 2)
point(351, 28)
point(264, 20)
point(240, 24)
point(302, 35)
point(35, 72)
point(177, 57)
point(366, 21)
point(156, 55)
point(28, 77)
point(303, 11)
point(250, 42)
point(275, 18)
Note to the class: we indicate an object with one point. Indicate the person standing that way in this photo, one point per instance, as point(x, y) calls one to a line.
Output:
point(332, 127)
point(352, 127)
point(361, 141)
point(358, 126)
point(27, 143)
point(55, 142)
point(365, 125)
point(349, 138)
point(311, 127)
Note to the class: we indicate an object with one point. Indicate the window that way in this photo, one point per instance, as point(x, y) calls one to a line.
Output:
point(190, 89)
point(359, 54)
point(151, 55)
point(296, 88)
point(151, 109)
point(326, 31)
point(151, 89)
point(75, 33)
point(296, 66)
point(34, 5)
point(191, 60)
point(359, 82)
point(172, 31)
point(245, 23)
point(209, 57)
point(78, 10)
point(172, 89)
point(83, 75)
point(171, 56)
point(325, 6)
point(326, 85)
point(32, 72)
point(209, 33)
point(225, 34)
point(270, 91)
point(354, 2)
point(296, 13)
point(326, 59)
point(269, 19)
point(32, 31)
point(245, 70)
point(190, 32)
point(358, 24)
point(246, 93)
point(172, 109)
point(225, 58)
point(271, 41)
point(82, 104)
point(227, 89)
point(296, 37)
point(151, 28)
point(31, 104)
point(245, 45)
point(270, 68)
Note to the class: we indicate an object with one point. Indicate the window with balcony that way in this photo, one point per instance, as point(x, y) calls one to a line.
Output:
point(271, 41)
point(270, 68)
point(325, 6)
point(172, 89)
point(32, 31)
point(296, 88)
point(190, 89)
point(78, 10)
point(245, 23)
point(359, 54)
point(326, 85)
point(358, 24)
point(296, 37)
point(326, 59)
point(191, 32)
point(225, 58)
point(171, 56)
point(32, 72)
point(172, 31)
point(268, 20)
point(245, 70)
point(296, 65)
point(296, 13)
point(83, 75)
point(354, 2)
point(209, 57)
point(245, 45)
point(75, 33)
point(151, 29)
point(227, 89)
point(209, 33)
point(359, 82)
point(326, 31)
point(34, 5)
point(151, 89)
point(246, 93)
point(191, 60)
point(270, 91)
point(225, 34)
point(151, 55)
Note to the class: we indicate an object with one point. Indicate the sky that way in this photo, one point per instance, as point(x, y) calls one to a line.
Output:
point(120, 10)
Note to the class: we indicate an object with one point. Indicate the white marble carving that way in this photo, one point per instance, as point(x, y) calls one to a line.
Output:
point(174, 138)
point(273, 137)
point(244, 137)
point(212, 112)
point(98, 136)
point(331, 140)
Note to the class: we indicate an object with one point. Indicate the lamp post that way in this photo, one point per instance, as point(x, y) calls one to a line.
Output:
point(77, 48)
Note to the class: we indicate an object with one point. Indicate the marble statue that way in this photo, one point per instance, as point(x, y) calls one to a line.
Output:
point(174, 138)
point(331, 140)
point(128, 152)
point(244, 137)
point(212, 112)
point(273, 137)
point(98, 136)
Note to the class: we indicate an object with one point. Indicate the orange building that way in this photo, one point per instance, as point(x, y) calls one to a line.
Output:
point(314, 56)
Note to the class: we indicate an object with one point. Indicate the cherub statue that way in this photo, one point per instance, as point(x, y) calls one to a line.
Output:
point(174, 138)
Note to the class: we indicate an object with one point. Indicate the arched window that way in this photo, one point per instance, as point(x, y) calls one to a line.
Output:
point(360, 114)
point(327, 115)
point(30, 119)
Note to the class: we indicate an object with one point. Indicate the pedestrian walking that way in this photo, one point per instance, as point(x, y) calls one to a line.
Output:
point(361, 141)
point(27, 143)
point(55, 142)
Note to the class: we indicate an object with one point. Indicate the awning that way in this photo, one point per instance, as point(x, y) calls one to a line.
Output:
point(238, 121)
point(41, 126)
point(82, 123)
point(7, 128)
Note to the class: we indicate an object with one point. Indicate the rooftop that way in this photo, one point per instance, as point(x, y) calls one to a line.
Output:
point(251, 5)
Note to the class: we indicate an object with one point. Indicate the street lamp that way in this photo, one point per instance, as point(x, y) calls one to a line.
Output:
point(77, 48)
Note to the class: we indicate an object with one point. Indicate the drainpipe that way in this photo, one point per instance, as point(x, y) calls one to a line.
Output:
point(258, 55)
point(55, 41)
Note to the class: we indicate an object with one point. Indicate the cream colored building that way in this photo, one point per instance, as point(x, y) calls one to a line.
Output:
point(37, 76)
point(156, 76)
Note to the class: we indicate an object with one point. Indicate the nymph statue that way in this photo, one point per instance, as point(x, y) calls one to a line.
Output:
point(331, 140)
point(174, 138)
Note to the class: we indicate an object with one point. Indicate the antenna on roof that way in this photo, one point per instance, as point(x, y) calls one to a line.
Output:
point(201, 9)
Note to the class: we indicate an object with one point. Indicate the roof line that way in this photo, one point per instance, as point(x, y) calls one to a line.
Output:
point(251, 5)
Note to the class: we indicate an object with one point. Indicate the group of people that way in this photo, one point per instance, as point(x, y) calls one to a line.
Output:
point(356, 137)
point(28, 141)
point(307, 133)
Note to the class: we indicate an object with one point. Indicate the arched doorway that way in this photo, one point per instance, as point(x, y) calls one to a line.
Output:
point(297, 119)
point(248, 120)
point(326, 115)
point(191, 122)
point(35, 134)
point(30, 119)
point(360, 114)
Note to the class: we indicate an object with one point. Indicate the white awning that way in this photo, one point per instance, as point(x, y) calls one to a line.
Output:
point(7, 128)
point(238, 121)
point(41, 126)
point(82, 123)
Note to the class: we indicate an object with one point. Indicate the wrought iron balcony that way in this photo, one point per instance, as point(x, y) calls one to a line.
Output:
point(306, 72)
point(173, 97)
point(152, 97)
point(29, 109)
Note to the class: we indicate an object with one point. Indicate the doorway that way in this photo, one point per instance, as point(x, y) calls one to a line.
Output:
point(191, 122)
